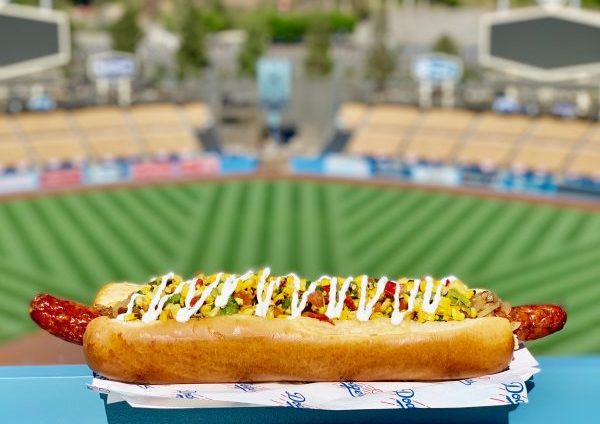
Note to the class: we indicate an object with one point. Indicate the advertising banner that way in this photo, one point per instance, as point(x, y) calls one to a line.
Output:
point(347, 166)
point(61, 178)
point(21, 182)
point(238, 164)
point(152, 171)
point(206, 165)
point(444, 175)
point(307, 165)
point(108, 173)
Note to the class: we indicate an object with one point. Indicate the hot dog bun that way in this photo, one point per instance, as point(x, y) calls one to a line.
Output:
point(113, 293)
point(249, 348)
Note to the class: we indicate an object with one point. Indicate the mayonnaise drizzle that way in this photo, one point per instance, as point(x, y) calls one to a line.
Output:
point(431, 306)
point(229, 287)
point(337, 298)
point(130, 305)
point(185, 313)
point(263, 302)
point(397, 316)
point(158, 302)
point(298, 303)
point(365, 309)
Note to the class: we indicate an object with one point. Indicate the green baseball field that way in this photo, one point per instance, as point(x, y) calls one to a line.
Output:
point(71, 244)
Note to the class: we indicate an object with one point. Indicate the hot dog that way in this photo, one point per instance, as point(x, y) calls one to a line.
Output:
point(259, 327)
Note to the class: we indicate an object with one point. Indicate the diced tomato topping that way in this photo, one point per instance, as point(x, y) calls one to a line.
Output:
point(350, 303)
point(245, 296)
point(320, 317)
point(316, 299)
point(390, 289)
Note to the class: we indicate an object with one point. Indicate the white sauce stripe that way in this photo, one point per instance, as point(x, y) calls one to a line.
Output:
point(264, 296)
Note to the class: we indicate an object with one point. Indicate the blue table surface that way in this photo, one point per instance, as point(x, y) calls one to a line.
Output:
point(565, 389)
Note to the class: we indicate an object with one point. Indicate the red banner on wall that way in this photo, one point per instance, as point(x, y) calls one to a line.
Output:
point(152, 171)
point(61, 178)
point(199, 166)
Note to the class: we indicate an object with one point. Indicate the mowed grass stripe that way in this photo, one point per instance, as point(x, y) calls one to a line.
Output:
point(63, 265)
point(480, 255)
point(521, 268)
point(546, 221)
point(168, 215)
point(355, 198)
point(311, 248)
point(73, 243)
point(231, 249)
point(197, 242)
point(221, 234)
point(557, 291)
point(382, 223)
point(588, 229)
point(426, 244)
point(510, 246)
point(12, 241)
point(355, 219)
point(32, 234)
point(279, 228)
point(398, 243)
point(558, 236)
point(327, 198)
point(442, 261)
point(142, 255)
point(80, 211)
point(145, 222)
point(295, 229)
point(176, 198)
point(245, 243)
point(16, 279)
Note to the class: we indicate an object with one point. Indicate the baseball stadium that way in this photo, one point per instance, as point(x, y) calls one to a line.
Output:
point(383, 138)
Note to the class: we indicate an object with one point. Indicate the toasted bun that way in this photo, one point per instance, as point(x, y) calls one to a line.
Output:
point(248, 348)
point(113, 293)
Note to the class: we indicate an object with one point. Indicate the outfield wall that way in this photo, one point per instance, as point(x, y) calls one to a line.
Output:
point(117, 172)
point(337, 165)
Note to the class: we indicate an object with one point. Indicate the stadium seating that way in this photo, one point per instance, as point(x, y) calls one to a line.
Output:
point(98, 117)
point(434, 146)
point(541, 158)
point(98, 133)
point(113, 144)
point(485, 154)
point(351, 115)
point(558, 131)
point(197, 115)
point(33, 124)
point(169, 143)
point(585, 164)
point(54, 148)
point(486, 140)
point(13, 154)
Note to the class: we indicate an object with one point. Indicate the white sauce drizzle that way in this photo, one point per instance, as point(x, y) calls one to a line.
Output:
point(429, 306)
point(397, 316)
point(365, 309)
point(130, 305)
point(185, 313)
point(337, 298)
point(229, 287)
point(157, 303)
point(298, 303)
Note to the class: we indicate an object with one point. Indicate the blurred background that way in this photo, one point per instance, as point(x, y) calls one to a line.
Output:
point(396, 137)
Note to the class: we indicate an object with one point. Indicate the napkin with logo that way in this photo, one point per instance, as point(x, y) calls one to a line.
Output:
point(504, 388)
